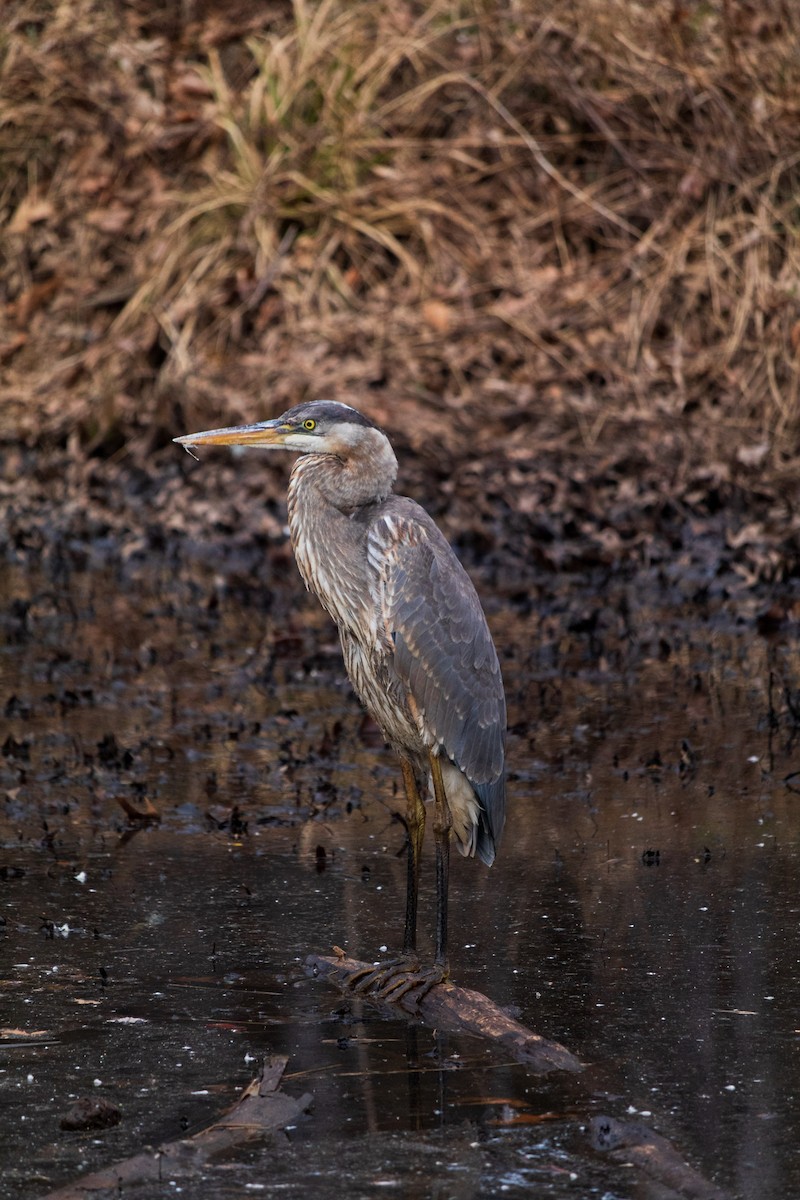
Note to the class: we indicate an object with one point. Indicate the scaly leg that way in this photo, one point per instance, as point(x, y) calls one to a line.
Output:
point(405, 980)
point(415, 985)
point(415, 815)
point(442, 821)
point(397, 972)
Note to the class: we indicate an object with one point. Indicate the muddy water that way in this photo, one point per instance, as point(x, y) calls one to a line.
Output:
point(644, 909)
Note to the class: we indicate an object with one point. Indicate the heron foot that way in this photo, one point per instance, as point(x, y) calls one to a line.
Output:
point(403, 980)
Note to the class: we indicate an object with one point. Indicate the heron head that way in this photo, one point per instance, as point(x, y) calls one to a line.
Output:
point(316, 427)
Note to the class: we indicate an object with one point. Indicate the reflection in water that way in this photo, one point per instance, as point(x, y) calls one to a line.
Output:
point(643, 910)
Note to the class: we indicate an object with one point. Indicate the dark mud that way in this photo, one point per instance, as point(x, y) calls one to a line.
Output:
point(644, 909)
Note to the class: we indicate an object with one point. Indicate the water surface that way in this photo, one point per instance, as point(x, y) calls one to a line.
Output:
point(644, 908)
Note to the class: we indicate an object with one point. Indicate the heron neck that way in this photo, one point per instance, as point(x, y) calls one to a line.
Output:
point(330, 550)
point(363, 474)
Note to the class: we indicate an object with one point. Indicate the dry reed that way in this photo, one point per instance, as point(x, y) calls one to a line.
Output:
point(582, 213)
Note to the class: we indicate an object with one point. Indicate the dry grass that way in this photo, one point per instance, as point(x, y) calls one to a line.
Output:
point(584, 213)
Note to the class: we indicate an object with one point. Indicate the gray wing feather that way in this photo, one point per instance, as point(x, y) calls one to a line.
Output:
point(442, 648)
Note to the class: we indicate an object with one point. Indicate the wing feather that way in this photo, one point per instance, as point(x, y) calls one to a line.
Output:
point(442, 649)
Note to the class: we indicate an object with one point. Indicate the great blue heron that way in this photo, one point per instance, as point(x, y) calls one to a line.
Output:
point(414, 637)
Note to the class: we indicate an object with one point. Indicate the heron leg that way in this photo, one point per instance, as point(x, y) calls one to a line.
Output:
point(415, 815)
point(404, 980)
point(442, 822)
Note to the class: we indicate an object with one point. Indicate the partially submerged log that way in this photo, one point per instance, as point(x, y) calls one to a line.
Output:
point(261, 1108)
point(637, 1145)
point(456, 1010)
point(461, 1010)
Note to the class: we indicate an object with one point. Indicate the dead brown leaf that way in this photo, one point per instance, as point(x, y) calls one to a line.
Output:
point(34, 298)
point(438, 315)
point(145, 810)
point(114, 219)
point(30, 211)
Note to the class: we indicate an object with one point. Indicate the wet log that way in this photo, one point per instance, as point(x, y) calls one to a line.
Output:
point(261, 1108)
point(456, 1010)
point(637, 1145)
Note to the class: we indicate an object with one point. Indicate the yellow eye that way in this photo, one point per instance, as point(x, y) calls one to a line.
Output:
point(309, 424)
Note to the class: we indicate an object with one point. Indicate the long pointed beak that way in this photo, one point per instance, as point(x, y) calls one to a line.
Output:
point(266, 433)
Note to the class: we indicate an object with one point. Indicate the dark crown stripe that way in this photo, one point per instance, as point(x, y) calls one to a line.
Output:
point(327, 411)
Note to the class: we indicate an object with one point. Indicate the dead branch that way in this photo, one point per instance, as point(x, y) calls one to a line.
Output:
point(636, 1145)
point(261, 1108)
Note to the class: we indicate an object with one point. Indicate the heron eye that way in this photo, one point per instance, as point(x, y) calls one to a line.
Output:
point(309, 424)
